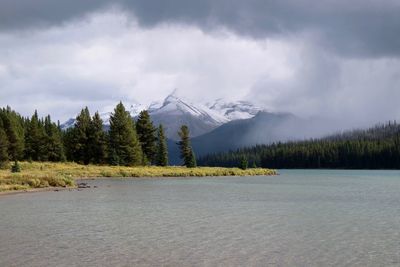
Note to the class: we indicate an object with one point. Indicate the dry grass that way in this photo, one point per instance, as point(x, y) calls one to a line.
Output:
point(41, 175)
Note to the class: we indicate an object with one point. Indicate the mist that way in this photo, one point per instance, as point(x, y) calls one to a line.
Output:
point(336, 64)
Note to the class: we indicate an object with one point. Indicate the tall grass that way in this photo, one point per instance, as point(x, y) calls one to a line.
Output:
point(41, 175)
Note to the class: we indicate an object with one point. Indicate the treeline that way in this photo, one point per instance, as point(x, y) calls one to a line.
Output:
point(126, 143)
point(374, 148)
point(29, 138)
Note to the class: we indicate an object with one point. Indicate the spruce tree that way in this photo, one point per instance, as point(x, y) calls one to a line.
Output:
point(81, 149)
point(146, 133)
point(243, 163)
point(68, 138)
point(192, 161)
point(13, 126)
point(186, 152)
point(162, 149)
point(113, 158)
point(34, 139)
point(97, 140)
point(124, 145)
point(54, 145)
point(3, 146)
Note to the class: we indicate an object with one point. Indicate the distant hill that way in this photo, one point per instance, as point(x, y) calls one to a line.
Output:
point(264, 128)
point(374, 148)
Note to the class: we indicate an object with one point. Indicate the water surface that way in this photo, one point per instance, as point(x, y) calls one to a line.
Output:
point(299, 218)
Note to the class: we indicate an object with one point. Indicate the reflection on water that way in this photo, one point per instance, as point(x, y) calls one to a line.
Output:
point(299, 218)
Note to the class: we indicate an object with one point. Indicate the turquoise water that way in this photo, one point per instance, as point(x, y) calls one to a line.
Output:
point(299, 218)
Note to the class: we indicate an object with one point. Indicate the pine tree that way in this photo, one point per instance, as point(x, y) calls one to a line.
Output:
point(68, 138)
point(243, 163)
point(3, 146)
point(162, 149)
point(192, 161)
point(146, 133)
point(81, 151)
point(186, 152)
point(34, 139)
point(54, 145)
point(13, 126)
point(113, 158)
point(123, 141)
point(97, 140)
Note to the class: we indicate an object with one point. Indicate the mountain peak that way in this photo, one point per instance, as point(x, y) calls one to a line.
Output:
point(175, 111)
point(235, 110)
point(172, 97)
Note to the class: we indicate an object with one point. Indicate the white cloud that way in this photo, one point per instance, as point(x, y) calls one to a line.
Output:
point(107, 57)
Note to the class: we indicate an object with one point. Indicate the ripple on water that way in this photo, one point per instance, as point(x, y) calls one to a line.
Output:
point(300, 218)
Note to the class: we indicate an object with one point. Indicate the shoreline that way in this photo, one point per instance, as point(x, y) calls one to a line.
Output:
point(48, 176)
point(35, 190)
point(83, 179)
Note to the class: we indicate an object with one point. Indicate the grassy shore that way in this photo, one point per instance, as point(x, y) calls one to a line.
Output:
point(42, 175)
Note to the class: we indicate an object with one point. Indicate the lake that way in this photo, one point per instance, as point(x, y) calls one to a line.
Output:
point(299, 218)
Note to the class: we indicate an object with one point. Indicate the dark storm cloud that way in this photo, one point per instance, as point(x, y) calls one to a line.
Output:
point(22, 14)
point(351, 28)
point(331, 59)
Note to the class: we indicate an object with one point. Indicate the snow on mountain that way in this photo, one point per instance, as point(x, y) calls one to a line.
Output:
point(154, 106)
point(175, 111)
point(238, 110)
point(134, 110)
point(175, 105)
point(68, 124)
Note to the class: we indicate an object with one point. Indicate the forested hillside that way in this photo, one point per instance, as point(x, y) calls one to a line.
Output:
point(374, 148)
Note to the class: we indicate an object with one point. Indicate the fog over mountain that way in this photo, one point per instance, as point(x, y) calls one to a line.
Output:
point(335, 60)
point(175, 111)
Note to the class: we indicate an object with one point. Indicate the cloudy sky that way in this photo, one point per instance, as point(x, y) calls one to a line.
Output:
point(327, 58)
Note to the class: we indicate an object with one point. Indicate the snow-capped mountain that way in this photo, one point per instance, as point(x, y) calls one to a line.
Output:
point(175, 111)
point(175, 105)
point(238, 110)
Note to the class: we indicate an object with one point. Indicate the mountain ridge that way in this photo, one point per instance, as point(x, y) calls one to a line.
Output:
point(175, 111)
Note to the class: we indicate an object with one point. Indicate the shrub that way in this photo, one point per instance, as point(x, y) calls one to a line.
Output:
point(34, 183)
point(15, 168)
point(243, 164)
